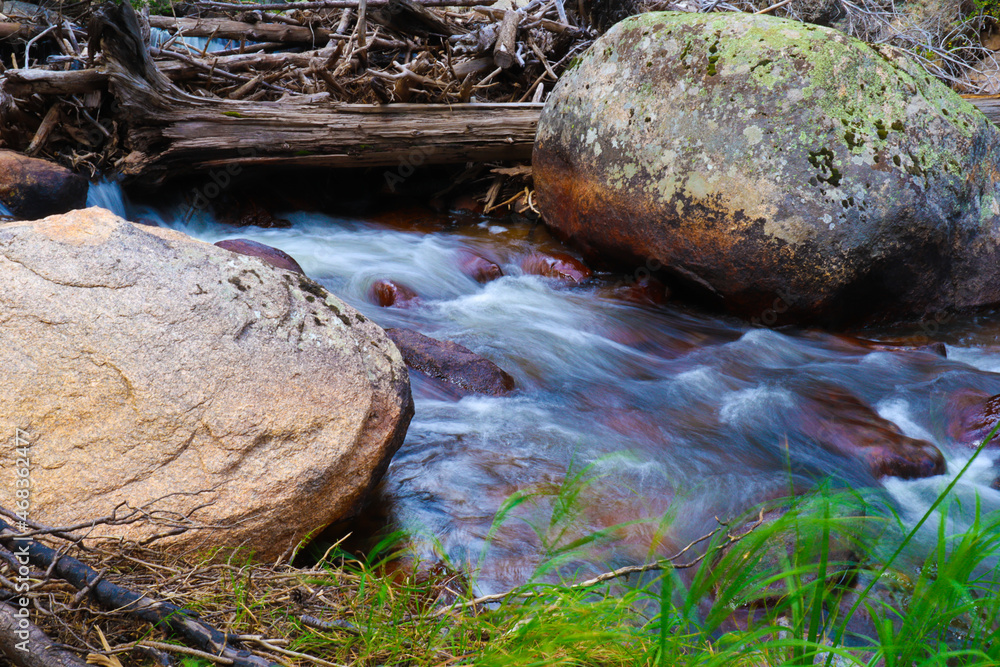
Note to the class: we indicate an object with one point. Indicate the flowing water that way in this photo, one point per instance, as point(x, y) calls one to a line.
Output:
point(679, 413)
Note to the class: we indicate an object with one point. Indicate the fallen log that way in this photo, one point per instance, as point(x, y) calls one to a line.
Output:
point(111, 596)
point(25, 645)
point(237, 30)
point(24, 82)
point(170, 132)
point(21, 30)
point(172, 139)
point(336, 4)
point(506, 44)
point(277, 33)
point(989, 105)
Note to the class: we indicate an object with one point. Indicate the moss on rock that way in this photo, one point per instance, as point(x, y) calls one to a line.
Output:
point(764, 158)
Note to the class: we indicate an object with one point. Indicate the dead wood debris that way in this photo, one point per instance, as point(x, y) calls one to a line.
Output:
point(55, 100)
point(135, 602)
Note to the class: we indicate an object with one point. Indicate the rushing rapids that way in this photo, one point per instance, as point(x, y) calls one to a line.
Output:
point(678, 414)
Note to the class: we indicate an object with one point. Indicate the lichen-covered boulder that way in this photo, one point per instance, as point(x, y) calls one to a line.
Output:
point(786, 169)
point(214, 391)
point(34, 188)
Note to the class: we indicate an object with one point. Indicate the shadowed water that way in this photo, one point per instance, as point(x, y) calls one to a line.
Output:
point(678, 411)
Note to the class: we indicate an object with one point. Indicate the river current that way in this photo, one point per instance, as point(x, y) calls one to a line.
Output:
point(665, 416)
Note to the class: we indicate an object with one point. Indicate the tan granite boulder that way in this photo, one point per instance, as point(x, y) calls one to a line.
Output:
point(149, 368)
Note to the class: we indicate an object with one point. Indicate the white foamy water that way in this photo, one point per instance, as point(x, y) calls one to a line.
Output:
point(696, 414)
point(108, 195)
point(158, 37)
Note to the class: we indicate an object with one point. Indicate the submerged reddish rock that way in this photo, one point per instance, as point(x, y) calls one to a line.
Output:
point(451, 363)
point(273, 256)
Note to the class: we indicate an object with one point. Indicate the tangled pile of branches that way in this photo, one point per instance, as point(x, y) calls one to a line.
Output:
point(55, 100)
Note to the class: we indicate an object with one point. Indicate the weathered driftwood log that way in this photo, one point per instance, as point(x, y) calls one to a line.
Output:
point(22, 30)
point(171, 132)
point(111, 596)
point(257, 32)
point(25, 645)
point(339, 4)
point(25, 82)
point(988, 105)
point(506, 45)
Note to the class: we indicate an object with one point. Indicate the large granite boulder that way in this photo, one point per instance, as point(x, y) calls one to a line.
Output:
point(33, 188)
point(783, 169)
point(149, 368)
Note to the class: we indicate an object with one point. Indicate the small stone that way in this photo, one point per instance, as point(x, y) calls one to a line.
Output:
point(273, 256)
point(843, 424)
point(33, 188)
point(451, 363)
point(389, 293)
point(971, 415)
point(555, 265)
point(478, 268)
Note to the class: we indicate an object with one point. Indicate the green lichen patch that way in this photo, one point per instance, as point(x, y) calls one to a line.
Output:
point(868, 94)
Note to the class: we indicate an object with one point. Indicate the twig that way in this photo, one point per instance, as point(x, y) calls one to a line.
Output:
point(362, 33)
point(662, 564)
point(320, 624)
point(174, 648)
point(85, 591)
point(27, 47)
point(335, 4)
point(44, 130)
point(776, 5)
point(292, 654)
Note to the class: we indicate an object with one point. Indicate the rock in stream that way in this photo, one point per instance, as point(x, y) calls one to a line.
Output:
point(775, 166)
point(143, 364)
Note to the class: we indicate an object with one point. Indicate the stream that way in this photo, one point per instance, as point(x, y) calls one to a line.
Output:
point(668, 411)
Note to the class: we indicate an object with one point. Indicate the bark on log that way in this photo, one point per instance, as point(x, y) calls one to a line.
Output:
point(170, 139)
point(256, 32)
point(112, 596)
point(171, 132)
point(21, 30)
point(503, 52)
point(25, 645)
point(988, 105)
point(338, 4)
point(26, 82)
